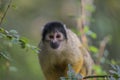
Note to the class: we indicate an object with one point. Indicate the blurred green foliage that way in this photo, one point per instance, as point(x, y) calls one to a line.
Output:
point(71, 75)
point(113, 74)
point(9, 39)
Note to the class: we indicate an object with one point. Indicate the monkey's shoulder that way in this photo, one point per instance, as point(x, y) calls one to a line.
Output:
point(73, 38)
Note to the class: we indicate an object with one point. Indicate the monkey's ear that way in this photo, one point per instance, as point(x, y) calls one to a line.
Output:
point(64, 26)
point(41, 29)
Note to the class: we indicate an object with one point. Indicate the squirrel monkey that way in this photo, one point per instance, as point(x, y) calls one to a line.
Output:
point(59, 47)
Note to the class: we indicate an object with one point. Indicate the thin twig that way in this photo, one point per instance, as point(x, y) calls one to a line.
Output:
point(97, 76)
point(102, 48)
point(83, 21)
point(10, 1)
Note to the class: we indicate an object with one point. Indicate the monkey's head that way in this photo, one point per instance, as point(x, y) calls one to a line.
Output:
point(54, 34)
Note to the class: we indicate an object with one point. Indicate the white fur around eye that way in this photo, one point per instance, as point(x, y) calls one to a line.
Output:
point(60, 36)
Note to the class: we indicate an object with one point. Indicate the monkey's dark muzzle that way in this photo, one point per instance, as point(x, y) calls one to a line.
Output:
point(54, 45)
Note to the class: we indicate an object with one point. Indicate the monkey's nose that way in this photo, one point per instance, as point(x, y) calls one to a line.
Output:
point(54, 45)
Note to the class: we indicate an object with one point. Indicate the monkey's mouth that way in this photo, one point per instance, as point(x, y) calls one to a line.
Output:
point(54, 45)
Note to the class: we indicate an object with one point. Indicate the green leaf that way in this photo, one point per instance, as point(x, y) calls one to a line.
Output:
point(2, 30)
point(71, 74)
point(115, 72)
point(9, 37)
point(112, 72)
point(62, 78)
point(113, 66)
point(13, 31)
point(2, 35)
point(111, 78)
point(86, 29)
point(98, 69)
point(14, 6)
point(35, 49)
point(90, 8)
point(22, 43)
point(70, 71)
point(93, 49)
point(24, 39)
point(6, 55)
point(93, 35)
point(113, 62)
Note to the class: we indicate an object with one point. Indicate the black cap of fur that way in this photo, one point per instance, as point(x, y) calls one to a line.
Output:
point(53, 27)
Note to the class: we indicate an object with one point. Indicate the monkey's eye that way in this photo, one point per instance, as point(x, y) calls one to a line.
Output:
point(58, 36)
point(51, 36)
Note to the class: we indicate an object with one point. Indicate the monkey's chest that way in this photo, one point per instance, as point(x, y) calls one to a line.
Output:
point(60, 66)
point(57, 64)
point(63, 58)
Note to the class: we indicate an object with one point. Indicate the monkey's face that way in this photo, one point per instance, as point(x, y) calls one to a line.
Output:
point(55, 39)
point(54, 35)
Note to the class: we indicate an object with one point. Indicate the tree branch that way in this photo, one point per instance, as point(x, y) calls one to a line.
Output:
point(10, 1)
point(83, 21)
point(102, 49)
point(97, 76)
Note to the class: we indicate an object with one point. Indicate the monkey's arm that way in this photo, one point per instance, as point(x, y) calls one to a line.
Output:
point(79, 67)
point(88, 61)
point(85, 63)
